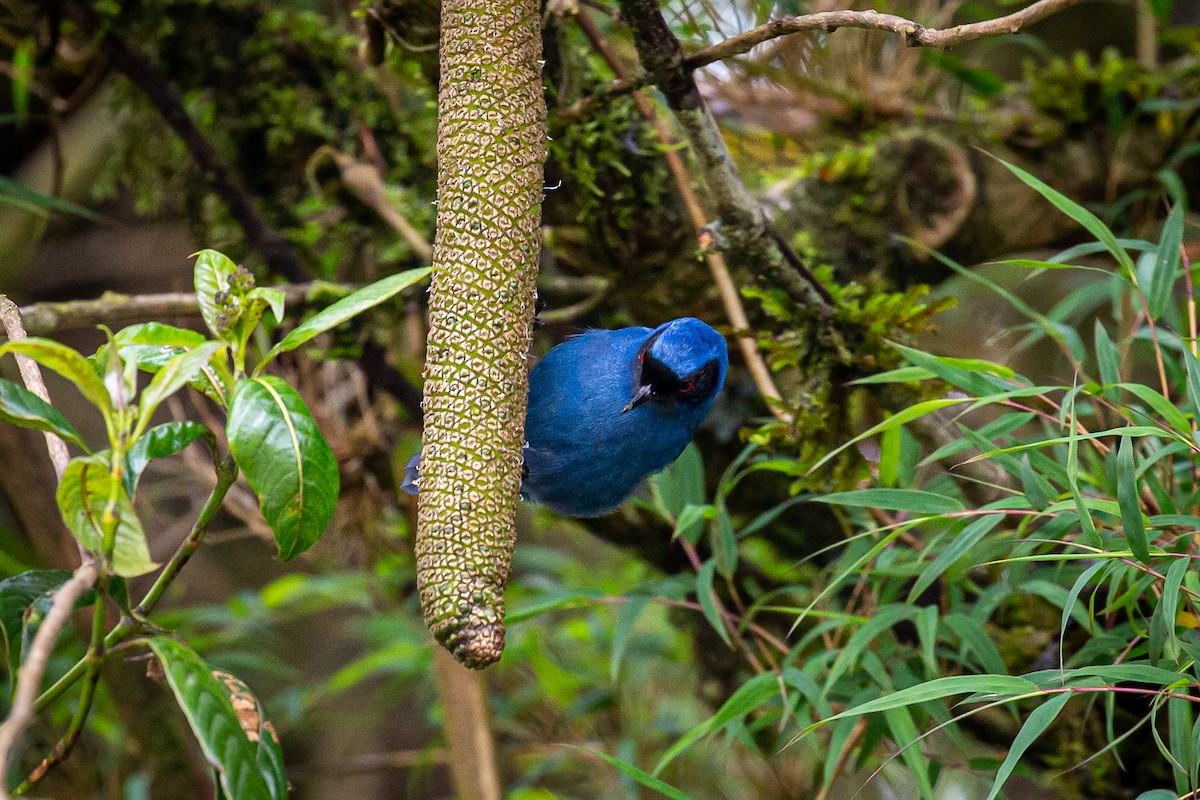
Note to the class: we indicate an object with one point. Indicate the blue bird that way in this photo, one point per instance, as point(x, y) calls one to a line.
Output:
point(609, 408)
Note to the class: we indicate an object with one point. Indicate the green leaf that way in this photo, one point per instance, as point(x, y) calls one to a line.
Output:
point(1161, 406)
point(1034, 726)
point(749, 696)
point(1038, 490)
point(708, 602)
point(644, 778)
point(211, 276)
point(19, 406)
point(962, 544)
point(1193, 383)
point(690, 522)
point(724, 542)
point(1163, 645)
point(160, 335)
point(276, 443)
point(1131, 506)
point(83, 495)
point(1078, 213)
point(681, 484)
point(241, 747)
point(66, 362)
point(911, 500)
point(365, 298)
point(904, 733)
point(993, 686)
point(274, 298)
point(627, 617)
point(175, 374)
point(158, 442)
point(17, 594)
point(1166, 263)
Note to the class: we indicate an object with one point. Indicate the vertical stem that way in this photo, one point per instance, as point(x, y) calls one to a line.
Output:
point(468, 732)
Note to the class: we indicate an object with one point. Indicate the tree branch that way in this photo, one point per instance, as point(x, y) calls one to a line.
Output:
point(11, 316)
point(29, 676)
point(915, 34)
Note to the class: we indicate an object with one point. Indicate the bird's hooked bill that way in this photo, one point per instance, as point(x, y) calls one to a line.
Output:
point(640, 396)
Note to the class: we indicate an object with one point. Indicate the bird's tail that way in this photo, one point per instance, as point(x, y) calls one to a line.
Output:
point(412, 474)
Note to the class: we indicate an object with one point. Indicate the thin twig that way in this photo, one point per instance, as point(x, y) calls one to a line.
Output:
point(10, 315)
point(29, 676)
point(915, 34)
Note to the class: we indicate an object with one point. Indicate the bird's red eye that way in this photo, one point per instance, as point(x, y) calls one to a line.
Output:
point(687, 387)
point(641, 358)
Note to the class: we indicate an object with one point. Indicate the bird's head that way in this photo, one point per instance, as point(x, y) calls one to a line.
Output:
point(682, 361)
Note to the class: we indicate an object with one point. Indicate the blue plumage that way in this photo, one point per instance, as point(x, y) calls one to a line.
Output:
point(609, 408)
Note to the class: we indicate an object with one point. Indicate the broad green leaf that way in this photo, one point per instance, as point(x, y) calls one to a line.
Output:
point(152, 344)
point(19, 406)
point(240, 746)
point(160, 335)
point(211, 277)
point(174, 375)
point(1166, 263)
point(84, 493)
point(1034, 726)
point(365, 298)
point(274, 298)
point(1078, 213)
point(66, 362)
point(749, 696)
point(1158, 794)
point(17, 594)
point(913, 501)
point(1131, 505)
point(644, 778)
point(276, 443)
point(627, 617)
point(681, 484)
point(158, 442)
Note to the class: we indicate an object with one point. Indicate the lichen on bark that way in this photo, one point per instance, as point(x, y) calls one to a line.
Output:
point(491, 149)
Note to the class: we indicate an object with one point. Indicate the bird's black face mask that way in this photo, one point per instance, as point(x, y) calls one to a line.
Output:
point(657, 381)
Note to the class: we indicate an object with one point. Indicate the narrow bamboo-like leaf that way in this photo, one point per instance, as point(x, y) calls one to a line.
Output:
point(16, 595)
point(211, 277)
point(1163, 645)
point(1163, 407)
point(1034, 726)
point(66, 362)
point(1038, 490)
point(1131, 504)
point(1078, 213)
point(913, 501)
point(708, 601)
point(904, 734)
point(175, 374)
point(749, 696)
point(1081, 583)
point(985, 685)
point(84, 493)
point(975, 640)
point(1179, 729)
point(644, 778)
point(240, 746)
point(1166, 263)
point(907, 415)
point(627, 617)
point(881, 621)
point(19, 406)
point(276, 443)
point(1193, 383)
point(725, 546)
point(365, 298)
point(158, 442)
